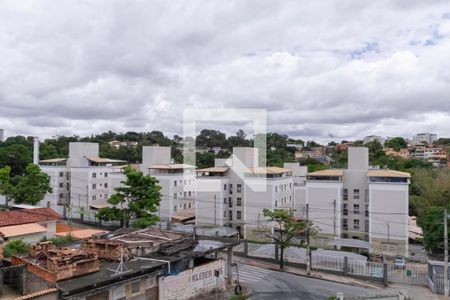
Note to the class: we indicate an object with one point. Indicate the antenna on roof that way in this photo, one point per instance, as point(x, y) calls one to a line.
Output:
point(121, 267)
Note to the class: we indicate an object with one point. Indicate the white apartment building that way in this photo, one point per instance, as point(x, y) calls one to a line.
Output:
point(235, 191)
point(177, 181)
point(371, 138)
point(82, 183)
point(360, 203)
point(427, 137)
point(2, 135)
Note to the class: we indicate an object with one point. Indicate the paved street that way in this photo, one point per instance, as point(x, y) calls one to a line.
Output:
point(272, 285)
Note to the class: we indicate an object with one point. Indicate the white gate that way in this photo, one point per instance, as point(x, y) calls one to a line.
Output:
point(409, 274)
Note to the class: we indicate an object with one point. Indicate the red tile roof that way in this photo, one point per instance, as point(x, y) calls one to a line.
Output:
point(25, 216)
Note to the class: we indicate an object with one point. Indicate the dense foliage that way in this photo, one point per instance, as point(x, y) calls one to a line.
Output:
point(136, 200)
point(15, 247)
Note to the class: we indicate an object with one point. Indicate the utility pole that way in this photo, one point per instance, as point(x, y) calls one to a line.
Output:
point(445, 253)
point(308, 248)
point(258, 220)
point(334, 218)
point(215, 210)
point(389, 231)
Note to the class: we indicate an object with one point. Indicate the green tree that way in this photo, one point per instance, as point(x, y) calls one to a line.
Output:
point(210, 138)
point(17, 156)
point(396, 143)
point(286, 228)
point(136, 200)
point(5, 182)
point(204, 160)
point(31, 187)
point(433, 228)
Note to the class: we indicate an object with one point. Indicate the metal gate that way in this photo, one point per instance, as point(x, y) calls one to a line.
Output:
point(410, 274)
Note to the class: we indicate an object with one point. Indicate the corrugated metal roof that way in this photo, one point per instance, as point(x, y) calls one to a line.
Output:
point(388, 173)
point(53, 160)
point(17, 230)
point(269, 170)
point(329, 172)
point(172, 166)
point(104, 160)
point(214, 169)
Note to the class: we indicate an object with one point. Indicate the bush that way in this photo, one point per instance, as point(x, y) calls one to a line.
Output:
point(15, 247)
point(61, 240)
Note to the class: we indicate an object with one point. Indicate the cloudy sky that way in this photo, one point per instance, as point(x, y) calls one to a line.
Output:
point(322, 69)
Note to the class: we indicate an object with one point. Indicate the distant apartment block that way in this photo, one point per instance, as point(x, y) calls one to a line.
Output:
point(359, 203)
point(235, 191)
point(82, 183)
point(2, 135)
point(427, 138)
point(177, 181)
point(372, 138)
point(117, 144)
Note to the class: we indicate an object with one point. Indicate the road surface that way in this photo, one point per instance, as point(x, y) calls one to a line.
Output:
point(268, 284)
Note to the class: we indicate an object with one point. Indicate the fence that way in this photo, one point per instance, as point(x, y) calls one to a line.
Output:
point(409, 274)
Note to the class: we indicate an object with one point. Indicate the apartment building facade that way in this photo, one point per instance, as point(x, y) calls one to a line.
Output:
point(82, 183)
point(372, 138)
point(426, 137)
point(177, 181)
point(360, 203)
point(235, 191)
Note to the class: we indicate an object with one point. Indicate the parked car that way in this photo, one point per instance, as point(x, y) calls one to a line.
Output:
point(400, 262)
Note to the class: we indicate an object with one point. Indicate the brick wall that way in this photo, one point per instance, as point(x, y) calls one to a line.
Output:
point(35, 269)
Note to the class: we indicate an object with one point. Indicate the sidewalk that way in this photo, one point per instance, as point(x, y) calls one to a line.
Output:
point(314, 274)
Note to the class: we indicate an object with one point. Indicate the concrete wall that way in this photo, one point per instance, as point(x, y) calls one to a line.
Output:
point(78, 152)
point(358, 158)
point(193, 283)
point(153, 155)
point(60, 193)
point(300, 201)
point(388, 217)
point(210, 191)
point(324, 214)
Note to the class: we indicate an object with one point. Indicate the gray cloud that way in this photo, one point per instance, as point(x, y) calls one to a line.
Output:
point(321, 69)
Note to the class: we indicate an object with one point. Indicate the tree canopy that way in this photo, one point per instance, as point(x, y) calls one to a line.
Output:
point(396, 143)
point(286, 228)
point(31, 187)
point(137, 200)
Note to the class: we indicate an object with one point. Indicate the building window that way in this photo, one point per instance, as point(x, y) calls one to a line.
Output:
point(174, 195)
point(356, 209)
point(184, 194)
point(239, 188)
point(356, 224)
point(238, 201)
point(230, 202)
point(345, 194)
point(230, 187)
point(94, 186)
point(367, 196)
point(61, 196)
point(356, 194)
point(61, 184)
point(366, 224)
point(61, 174)
point(94, 197)
point(136, 287)
point(224, 187)
point(345, 224)
point(175, 183)
point(230, 215)
point(238, 215)
point(184, 206)
point(106, 195)
point(94, 175)
point(276, 190)
point(290, 185)
point(276, 203)
point(106, 174)
point(174, 208)
point(224, 213)
point(106, 185)
point(367, 210)
point(224, 200)
point(189, 205)
point(189, 193)
point(345, 210)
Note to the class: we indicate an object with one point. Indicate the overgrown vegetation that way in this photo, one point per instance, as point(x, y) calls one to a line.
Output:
point(61, 240)
point(15, 247)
